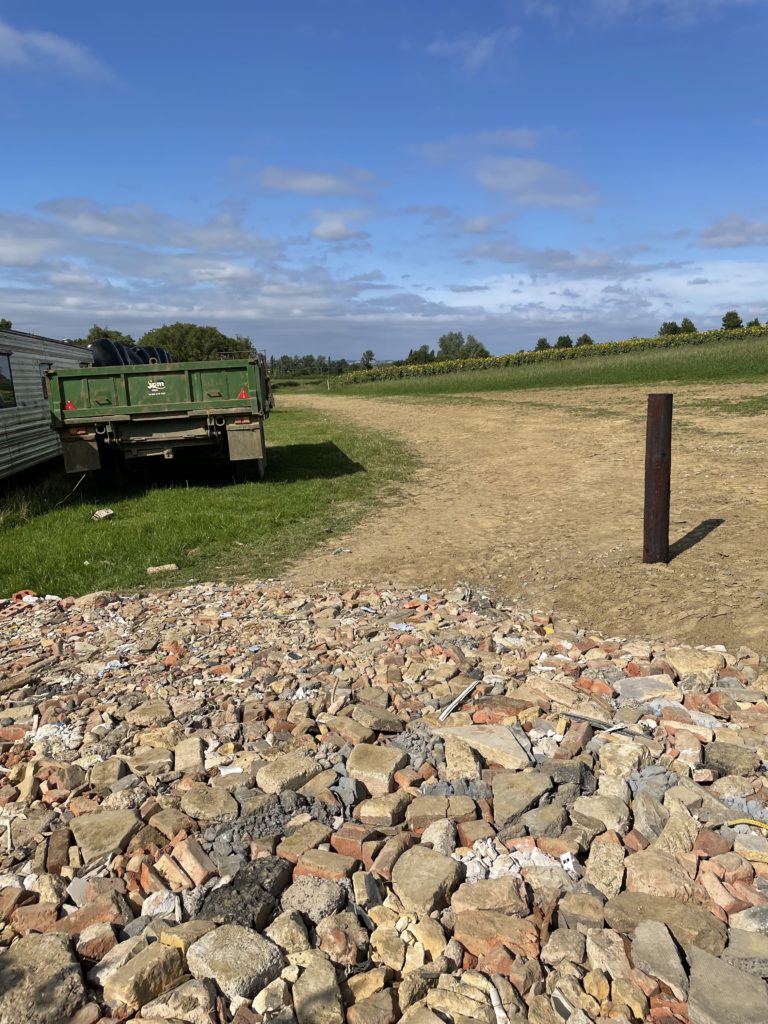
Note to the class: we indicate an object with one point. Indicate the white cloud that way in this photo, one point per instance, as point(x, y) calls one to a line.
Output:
point(32, 49)
point(315, 183)
point(473, 49)
point(734, 233)
point(599, 13)
point(534, 182)
point(459, 147)
point(336, 225)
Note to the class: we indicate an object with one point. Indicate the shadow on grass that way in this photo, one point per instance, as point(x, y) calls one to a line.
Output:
point(323, 460)
point(43, 488)
point(693, 537)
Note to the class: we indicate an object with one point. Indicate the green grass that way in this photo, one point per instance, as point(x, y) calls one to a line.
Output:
point(715, 361)
point(321, 478)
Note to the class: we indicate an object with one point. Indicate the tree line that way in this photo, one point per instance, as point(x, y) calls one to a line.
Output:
point(731, 321)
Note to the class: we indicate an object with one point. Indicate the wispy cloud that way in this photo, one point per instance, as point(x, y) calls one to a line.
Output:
point(600, 13)
point(32, 50)
point(472, 49)
point(336, 225)
point(315, 183)
point(734, 233)
point(579, 265)
point(457, 147)
point(532, 182)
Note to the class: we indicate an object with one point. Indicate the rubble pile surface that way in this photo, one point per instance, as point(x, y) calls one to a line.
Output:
point(241, 804)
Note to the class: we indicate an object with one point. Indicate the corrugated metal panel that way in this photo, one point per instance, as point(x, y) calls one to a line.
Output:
point(26, 436)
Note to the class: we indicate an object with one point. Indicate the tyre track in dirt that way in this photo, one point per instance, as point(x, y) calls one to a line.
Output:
point(537, 497)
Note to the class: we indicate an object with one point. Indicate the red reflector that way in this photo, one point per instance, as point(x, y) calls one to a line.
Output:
point(243, 393)
point(69, 406)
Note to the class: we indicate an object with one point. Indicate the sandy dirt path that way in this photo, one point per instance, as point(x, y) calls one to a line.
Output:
point(537, 497)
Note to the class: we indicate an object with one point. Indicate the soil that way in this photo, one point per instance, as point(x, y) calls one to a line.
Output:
point(538, 497)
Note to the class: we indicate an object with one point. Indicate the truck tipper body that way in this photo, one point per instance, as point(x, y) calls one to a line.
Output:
point(215, 408)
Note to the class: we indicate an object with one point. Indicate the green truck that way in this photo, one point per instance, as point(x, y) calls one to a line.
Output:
point(107, 414)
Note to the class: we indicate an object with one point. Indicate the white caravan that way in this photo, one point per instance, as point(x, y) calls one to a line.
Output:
point(26, 435)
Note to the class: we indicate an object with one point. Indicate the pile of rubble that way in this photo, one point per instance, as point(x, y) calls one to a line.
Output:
point(239, 804)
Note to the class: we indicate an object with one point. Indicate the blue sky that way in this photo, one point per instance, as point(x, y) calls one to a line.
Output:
point(336, 175)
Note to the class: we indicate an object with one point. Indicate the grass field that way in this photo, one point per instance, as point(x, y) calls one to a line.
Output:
point(745, 360)
point(322, 476)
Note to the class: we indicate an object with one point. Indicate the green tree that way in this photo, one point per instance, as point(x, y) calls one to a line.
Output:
point(424, 354)
point(5, 325)
point(190, 342)
point(750, 323)
point(584, 339)
point(96, 333)
point(564, 341)
point(731, 320)
point(669, 327)
point(542, 344)
point(687, 326)
point(449, 346)
point(473, 349)
point(367, 359)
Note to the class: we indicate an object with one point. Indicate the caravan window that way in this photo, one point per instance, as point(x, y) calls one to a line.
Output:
point(7, 396)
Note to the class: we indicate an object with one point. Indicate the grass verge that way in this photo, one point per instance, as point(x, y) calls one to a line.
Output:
point(742, 360)
point(322, 476)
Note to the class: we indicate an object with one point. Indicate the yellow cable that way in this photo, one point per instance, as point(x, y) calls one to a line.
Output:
point(748, 821)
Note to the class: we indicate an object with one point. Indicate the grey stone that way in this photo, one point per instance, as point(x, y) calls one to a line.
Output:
point(378, 719)
point(237, 959)
point(289, 932)
point(564, 944)
point(605, 867)
point(748, 951)
point(640, 689)
point(461, 762)
point(316, 898)
point(731, 758)
point(423, 879)
point(193, 1002)
point(289, 771)
point(650, 816)
point(441, 836)
point(690, 924)
point(375, 766)
point(516, 792)
point(581, 910)
point(610, 811)
point(495, 743)
point(208, 803)
point(150, 761)
point(722, 994)
point(654, 952)
point(316, 996)
point(40, 981)
point(117, 956)
point(606, 952)
point(545, 822)
point(754, 919)
point(104, 832)
point(506, 894)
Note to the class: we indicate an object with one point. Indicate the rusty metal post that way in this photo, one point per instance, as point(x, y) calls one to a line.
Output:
point(658, 468)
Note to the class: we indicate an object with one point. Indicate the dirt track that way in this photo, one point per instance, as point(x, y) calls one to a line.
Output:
point(538, 497)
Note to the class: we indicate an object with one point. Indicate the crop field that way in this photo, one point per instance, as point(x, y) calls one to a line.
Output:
point(718, 360)
point(324, 473)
